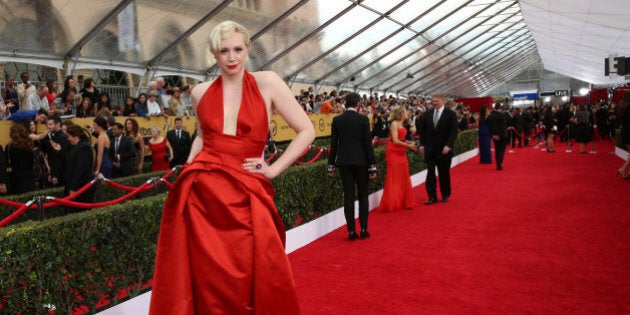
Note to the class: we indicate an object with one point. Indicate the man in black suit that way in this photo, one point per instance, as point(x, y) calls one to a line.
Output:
point(180, 141)
point(497, 124)
point(351, 151)
point(437, 138)
point(462, 122)
point(123, 152)
point(528, 124)
point(55, 147)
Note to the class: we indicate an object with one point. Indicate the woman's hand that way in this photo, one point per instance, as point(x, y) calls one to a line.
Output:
point(259, 166)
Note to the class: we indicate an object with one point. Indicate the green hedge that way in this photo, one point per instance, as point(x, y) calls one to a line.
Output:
point(103, 251)
point(55, 261)
point(106, 193)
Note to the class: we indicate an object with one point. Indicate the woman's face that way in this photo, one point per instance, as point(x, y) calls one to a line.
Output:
point(69, 97)
point(73, 140)
point(10, 81)
point(71, 83)
point(129, 101)
point(104, 98)
point(142, 99)
point(232, 54)
point(86, 103)
point(155, 133)
point(32, 127)
point(128, 126)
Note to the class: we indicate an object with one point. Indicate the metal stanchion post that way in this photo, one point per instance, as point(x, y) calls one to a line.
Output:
point(593, 151)
point(568, 150)
point(40, 207)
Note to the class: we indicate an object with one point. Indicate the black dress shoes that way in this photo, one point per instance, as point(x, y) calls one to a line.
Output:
point(445, 199)
point(430, 201)
point(364, 234)
point(352, 236)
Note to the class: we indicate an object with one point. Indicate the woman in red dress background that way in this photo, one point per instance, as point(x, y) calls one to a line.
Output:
point(397, 191)
point(221, 243)
point(159, 146)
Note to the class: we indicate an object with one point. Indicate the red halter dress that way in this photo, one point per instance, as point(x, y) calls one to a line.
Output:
point(221, 242)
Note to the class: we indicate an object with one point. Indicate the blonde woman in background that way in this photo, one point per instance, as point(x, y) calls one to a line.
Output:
point(397, 192)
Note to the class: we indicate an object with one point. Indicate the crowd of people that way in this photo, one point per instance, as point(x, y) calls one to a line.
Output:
point(87, 101)
point(34, 161)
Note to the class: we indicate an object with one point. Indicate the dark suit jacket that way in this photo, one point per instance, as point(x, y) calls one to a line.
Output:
point(435, 138)
point(80, 158)
point(56, 159)
point(4, 178)
point(126, 151)
point(350, 141)
point(462, 124)
point(181, 147)
point(497, 124)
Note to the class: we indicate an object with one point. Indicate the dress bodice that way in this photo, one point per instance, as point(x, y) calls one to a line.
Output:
point(252, 121)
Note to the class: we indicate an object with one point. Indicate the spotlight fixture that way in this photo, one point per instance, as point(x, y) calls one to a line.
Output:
point(352, 79)
point(409, 76)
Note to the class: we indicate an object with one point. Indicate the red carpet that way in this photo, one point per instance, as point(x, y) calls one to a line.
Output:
point(550, 234)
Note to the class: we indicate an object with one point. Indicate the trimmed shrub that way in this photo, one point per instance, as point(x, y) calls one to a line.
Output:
point(78, 259)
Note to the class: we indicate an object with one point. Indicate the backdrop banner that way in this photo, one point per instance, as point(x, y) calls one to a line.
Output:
point(280, 130)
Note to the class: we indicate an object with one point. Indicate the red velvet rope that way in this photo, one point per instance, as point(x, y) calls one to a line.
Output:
point(67, 201)
point(120, 186)
point(15, 214)
point(311, 161)
point(273, 155)
point(10, 203)
point(513, 130)
point(563, 131)
point(80, 191)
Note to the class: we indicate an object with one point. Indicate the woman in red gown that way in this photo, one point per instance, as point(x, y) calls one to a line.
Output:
point(221, 243)
point(159, 147)
point(397, 193)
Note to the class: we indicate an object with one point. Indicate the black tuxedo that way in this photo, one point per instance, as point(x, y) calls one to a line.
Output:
point(434, 139)
point(497, 124)
point(123, 156)
point(351, 151)
point(4, 178)
point(56, 159)
point(181, 146)
point(81, 173)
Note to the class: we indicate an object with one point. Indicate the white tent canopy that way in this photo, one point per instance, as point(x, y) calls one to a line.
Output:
point(575, 36)
point(459, 47)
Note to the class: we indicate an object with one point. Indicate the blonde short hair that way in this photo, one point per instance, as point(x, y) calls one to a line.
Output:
point(225, 30)
point(156, 129)
point(398, 114)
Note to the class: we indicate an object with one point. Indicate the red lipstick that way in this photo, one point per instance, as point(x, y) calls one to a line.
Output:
point(232, 67)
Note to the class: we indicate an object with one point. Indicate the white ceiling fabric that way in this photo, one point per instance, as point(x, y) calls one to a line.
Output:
point(574, 37)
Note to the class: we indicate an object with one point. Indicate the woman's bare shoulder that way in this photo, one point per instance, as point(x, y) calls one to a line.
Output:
point(200, 89)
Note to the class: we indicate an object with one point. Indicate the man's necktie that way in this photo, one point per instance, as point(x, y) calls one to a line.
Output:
point(435, 117)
